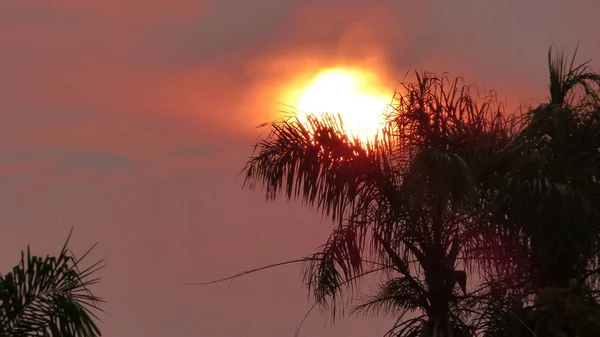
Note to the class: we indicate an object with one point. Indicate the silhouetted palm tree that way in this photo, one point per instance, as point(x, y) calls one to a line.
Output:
point(546, 229)
point(49, 297)
point(406, 204)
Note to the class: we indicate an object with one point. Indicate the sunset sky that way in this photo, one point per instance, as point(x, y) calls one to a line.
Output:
point(132, 121)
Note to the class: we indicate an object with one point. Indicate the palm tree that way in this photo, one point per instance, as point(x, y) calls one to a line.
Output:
point(49, 297)
point(546, 232)
point(404, 205)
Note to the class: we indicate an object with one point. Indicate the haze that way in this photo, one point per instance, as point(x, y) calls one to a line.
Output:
point(132, 120)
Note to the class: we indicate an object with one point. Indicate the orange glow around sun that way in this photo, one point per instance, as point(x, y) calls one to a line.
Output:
point(356, 95)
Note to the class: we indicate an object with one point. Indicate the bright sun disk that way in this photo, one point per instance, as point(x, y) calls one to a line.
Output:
point(355, 95)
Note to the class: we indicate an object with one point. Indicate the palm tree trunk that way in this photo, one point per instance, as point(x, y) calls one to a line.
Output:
point(440, 294)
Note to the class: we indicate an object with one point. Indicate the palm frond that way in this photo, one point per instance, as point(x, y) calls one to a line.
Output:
point(315, 161)
point(566, 78)
point(394, 297)
point(411, 327)
point(49, 296)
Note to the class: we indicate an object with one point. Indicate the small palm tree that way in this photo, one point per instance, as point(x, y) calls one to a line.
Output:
point(404, 205)
point(49, 297)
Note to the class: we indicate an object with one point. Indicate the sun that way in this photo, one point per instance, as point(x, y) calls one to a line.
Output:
point(356, 95)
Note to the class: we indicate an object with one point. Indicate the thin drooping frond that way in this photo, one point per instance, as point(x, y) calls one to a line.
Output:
point(337, 262)
point(393, 298)
point(407, 327)
point(49, 297)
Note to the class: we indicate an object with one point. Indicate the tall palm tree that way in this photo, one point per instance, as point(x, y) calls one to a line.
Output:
point(546, 229)
point(404, 205)
point(551, 195)
point(49, 296)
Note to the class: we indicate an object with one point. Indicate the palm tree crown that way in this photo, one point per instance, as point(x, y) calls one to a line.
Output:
point(402, 204)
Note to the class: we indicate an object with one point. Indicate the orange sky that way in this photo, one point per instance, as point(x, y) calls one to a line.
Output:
point(131, 121)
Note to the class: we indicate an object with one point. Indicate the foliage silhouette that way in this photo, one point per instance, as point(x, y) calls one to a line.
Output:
point(453, 189)
point(49, 297)
point(405, 200)
point(546, 226)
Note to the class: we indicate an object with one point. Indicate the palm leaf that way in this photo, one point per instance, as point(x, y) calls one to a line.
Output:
point(49, 296)
point(566, 78)
point(393, 298)
point(316, 162)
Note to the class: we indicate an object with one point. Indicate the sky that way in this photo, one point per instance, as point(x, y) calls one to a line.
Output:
point(131, 122)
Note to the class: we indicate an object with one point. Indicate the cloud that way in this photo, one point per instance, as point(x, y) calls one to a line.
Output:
point(192, 152)
point(41, 14)
point(70, 159)
point(496, 45)
point(87, 161)
point(226, 28)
